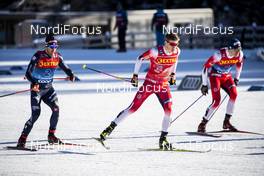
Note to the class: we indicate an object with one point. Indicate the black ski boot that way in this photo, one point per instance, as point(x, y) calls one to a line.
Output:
point(202, 126)
point(107, 131)
point(22, 141)
point(163, 142)
point(52, 139)
point(227, 124)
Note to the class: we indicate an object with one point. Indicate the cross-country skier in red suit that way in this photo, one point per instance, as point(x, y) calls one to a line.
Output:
point(217, 68)
point(163, 63)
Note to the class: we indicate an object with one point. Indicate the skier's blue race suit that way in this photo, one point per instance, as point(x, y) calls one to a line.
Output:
point(41, 71)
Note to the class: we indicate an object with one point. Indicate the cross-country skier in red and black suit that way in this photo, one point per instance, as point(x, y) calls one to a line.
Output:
point(218, 69)
point(163, 62)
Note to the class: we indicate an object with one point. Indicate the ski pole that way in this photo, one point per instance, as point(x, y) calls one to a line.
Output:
point(13, 93)
point(108, 74)
point(186, 109)
point(58, 78)
point(218, 107)
point(66, 78)
point(22, 91)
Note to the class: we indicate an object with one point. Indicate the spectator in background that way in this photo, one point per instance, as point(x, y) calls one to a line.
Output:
point(121, 25)
point(160, 19)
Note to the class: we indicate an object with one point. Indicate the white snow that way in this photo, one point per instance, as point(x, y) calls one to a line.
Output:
point(86, 115)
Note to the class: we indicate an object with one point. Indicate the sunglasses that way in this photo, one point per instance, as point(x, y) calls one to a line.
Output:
point(172, 43)
point(52, 45)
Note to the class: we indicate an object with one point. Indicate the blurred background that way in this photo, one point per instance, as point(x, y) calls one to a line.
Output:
point(16, 17)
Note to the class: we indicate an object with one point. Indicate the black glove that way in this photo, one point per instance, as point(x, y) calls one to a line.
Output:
point(134, 80)
point(236, 81)
point(71, 78)
point(204, 90)
point(172, 80)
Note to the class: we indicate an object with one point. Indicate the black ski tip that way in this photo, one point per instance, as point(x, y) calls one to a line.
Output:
point(173, 150)
point(204, 134)
point(236, 131)
point(32, 149)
